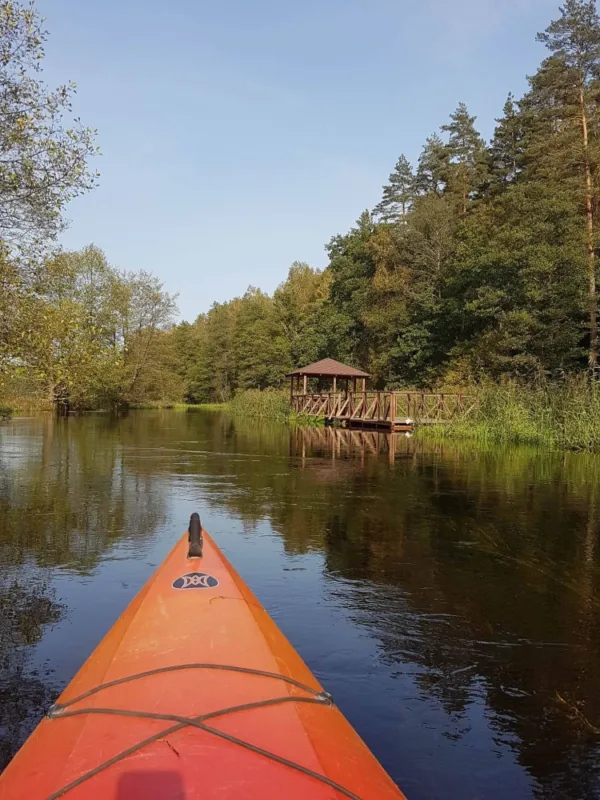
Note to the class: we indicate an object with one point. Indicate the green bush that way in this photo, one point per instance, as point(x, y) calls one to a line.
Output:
point(6, 412)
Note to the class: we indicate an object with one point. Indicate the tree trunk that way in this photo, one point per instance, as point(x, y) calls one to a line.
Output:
point(591, 256)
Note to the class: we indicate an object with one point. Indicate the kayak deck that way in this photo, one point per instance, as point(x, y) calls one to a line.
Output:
point(195, 693)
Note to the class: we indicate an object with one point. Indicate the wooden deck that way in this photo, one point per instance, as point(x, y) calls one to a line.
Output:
point(386, 410)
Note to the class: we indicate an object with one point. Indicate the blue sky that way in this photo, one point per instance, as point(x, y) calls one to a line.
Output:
point(239, 135)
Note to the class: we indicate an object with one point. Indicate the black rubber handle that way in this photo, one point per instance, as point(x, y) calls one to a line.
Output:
point(195, 537)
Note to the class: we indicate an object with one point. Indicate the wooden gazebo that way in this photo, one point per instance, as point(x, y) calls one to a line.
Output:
point(329, 369)
point(385, 409)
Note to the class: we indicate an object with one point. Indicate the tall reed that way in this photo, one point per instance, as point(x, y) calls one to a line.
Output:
point(563, 415)
point(267, 404)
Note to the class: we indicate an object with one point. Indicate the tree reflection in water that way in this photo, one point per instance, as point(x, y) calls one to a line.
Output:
point(449, 594)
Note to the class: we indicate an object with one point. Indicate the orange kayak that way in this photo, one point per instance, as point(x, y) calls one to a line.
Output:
point(195, 693)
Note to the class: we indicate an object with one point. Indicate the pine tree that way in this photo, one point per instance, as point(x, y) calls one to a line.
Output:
point(398, 194)
point(467, 155)
point(433, 168)
point(506, 151)
point(564, 137)
point(352, 266)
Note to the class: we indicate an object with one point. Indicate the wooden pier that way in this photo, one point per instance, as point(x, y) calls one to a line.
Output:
point(385, 410)
point(379, 410)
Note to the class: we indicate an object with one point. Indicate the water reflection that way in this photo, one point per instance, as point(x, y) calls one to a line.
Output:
point(66, 491)
point(65, 497)
point(477, 570)
point(27, 606)
point(341, 443)
point(448, 595)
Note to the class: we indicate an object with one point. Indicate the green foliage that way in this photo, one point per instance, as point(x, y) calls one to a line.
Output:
point(268, 404)
point(253, 341)
point(467, 158)
point(260, 349)
point(43, 156)
point(506, 150)
point(563, 415)
point(91, 336)
point(433, 170)
point(398, 194)
point(483, 263)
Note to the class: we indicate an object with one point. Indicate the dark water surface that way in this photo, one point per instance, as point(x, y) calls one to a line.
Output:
point(447, 596)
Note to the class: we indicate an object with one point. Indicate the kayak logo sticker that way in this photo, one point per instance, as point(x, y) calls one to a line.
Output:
point(196, 580)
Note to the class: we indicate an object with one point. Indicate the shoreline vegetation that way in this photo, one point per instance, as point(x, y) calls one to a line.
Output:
point(273, 404)
point(177, 406)
point(556, 415)
point(17, 406)
point(561, 415)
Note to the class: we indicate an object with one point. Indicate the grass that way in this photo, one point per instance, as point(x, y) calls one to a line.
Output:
point(269, 404)
point(563, 415)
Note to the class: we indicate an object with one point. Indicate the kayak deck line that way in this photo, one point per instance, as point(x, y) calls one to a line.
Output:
point(56, 708)
point(175, 660)
point(197, 722)
point(59, 710)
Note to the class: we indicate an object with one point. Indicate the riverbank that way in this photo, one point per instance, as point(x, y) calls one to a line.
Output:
point(179, 406)
point(25, 405)
point(560, 416)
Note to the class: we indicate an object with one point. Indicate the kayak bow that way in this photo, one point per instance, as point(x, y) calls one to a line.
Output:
point(195, 693)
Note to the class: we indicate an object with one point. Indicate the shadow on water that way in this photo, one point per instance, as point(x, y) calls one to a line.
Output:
point(448, 595)
point(27, 606)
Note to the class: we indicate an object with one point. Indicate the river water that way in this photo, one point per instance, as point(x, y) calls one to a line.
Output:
point(447, 596)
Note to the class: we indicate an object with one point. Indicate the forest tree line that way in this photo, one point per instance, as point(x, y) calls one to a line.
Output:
point(74, 331)
point(479, 260)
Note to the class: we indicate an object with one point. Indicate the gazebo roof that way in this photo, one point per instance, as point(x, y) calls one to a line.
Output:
point(328, 367)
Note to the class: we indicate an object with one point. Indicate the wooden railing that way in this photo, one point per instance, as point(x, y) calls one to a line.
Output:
point(384, 407)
